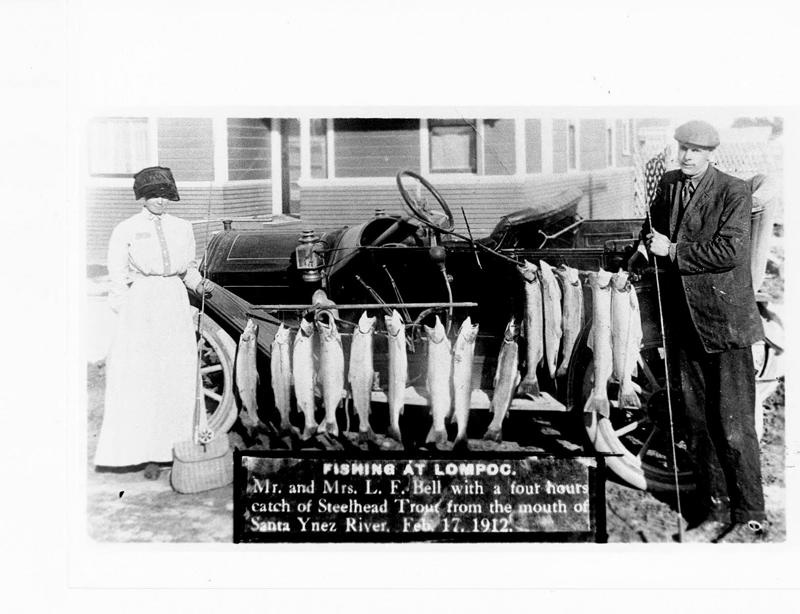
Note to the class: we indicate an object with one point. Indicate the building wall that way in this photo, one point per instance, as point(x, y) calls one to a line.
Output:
point(592, 149)
point(248, 148)
point(186, 145)
point(498, 149)
point(107, 206)
point(608, 193)
point(533, 145)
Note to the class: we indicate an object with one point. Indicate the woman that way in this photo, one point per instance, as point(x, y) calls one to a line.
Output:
point(151, 369)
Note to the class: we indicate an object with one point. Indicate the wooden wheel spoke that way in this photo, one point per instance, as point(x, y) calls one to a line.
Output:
point(210, 369)
point(628, 428)
point(646, 445)
point(648, 373)
point(212, 395)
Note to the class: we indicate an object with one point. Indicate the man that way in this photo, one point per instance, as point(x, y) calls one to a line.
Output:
point(701, 235)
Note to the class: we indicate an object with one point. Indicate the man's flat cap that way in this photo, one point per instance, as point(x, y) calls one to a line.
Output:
point(155, 181)
point(697, 133)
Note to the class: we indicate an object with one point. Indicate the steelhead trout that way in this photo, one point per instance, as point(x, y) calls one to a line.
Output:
point(600, 342)
point(626, 338)
point(534, 328)
point(438, 380)
point(281, 371)
point(247, 374)
point(331, 370)
point(551, 299)
point(303, 375)
point(398, 371)
point(361, 374)
point(571, 313)
point(506, 378)
point(463, 354)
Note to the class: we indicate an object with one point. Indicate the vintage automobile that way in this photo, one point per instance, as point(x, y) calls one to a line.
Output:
point(417, 263)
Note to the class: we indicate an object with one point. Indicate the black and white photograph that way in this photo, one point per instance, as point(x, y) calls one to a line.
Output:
point(439, 285)
point(399, 306)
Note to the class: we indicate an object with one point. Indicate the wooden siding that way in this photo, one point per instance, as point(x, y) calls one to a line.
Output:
point(248, 148)
point(375, 147)
point(107, 206)
point(560, 127)
point(499, 154)
point(186, 145)
point(327, 207)
point(622, 159)
point(533, 145)
point(592, 148)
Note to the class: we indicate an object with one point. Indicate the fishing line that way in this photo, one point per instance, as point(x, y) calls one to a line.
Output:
point(200, 395)
point(667, 388)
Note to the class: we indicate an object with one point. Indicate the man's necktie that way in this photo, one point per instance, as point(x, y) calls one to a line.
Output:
point(686, 194)
point(163, 242)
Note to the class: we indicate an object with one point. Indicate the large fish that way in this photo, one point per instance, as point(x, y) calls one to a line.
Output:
point(303, 375)
point(551, 295)
point(571, 313)
point(398, 371)
point(281, 370)
point(463, 354)
point(600, 342)
point(361, 374)
point(534, 328)
point(506, 378)
point(626, 337)
point(331, 370)
point(247, 374)
point(438, 380)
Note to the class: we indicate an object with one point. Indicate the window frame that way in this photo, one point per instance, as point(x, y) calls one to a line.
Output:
point(475, 146)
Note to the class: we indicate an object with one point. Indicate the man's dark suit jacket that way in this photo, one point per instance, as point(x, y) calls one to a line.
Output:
point(712, 256)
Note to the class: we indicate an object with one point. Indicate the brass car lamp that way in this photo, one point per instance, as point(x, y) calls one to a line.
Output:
point(309, 260)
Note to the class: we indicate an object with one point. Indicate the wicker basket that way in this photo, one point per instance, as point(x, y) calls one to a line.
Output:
point(198, 467)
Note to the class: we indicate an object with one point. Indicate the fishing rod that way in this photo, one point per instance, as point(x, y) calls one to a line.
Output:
point(667, 387)
point(206, 435)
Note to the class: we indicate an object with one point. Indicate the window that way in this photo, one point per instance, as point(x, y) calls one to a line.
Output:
point(118, 146)
point(453, 146)
point(609, 147)
point(373, 147)
point(572, 148)
point(249, 148)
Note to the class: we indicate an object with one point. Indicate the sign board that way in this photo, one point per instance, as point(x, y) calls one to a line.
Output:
point(503, 497)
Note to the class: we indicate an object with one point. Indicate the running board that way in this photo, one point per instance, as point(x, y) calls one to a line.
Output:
point(480, 400)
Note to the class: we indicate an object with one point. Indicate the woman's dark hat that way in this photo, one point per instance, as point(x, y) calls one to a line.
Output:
point(153, 182)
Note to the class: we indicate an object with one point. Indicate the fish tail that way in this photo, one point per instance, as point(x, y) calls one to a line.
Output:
point(461, 444)
point(394, 432)
point(562, 368)
point(598, 404)
point(628, 397)
point(368, 435)
point(529, 387)
point(285, 426)
point(436, 436)
point(494, 433)
point(310, 430)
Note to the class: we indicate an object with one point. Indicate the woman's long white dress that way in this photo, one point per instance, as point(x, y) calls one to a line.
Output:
point(151, 369)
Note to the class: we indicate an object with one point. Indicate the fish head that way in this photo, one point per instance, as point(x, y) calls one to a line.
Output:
point(468, 331)
point(435, 334)
point(511, 330)
point(250, 330)
point(529, 271)
point(394, 323)
point(366, 324)
point(620, 281)
point(326, 325)
point(306, 328)
point(603, 278)
point(282, 334)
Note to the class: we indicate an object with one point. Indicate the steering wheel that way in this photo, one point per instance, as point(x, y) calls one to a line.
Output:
point(435, 220)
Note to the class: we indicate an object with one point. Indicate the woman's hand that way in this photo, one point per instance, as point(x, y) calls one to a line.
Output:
point(205, 287)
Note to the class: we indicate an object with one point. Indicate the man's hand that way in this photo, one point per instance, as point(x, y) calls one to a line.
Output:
point(204, 287)
point(657, 243)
